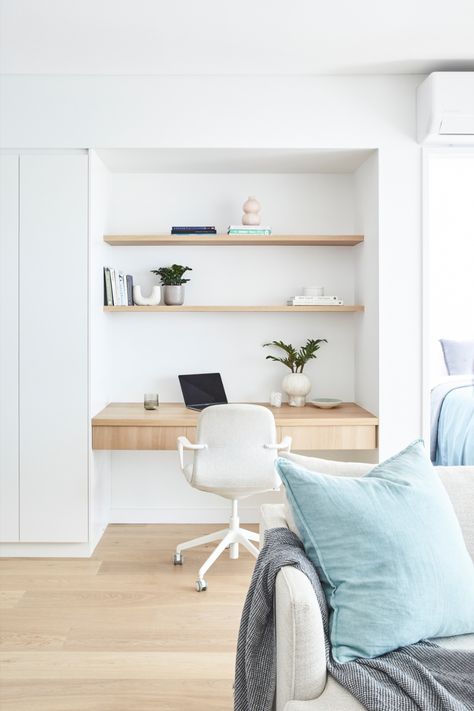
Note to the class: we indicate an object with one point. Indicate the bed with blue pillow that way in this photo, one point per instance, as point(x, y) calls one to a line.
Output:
point(452, 407)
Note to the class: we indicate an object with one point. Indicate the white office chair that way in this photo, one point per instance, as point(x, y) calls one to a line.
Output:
point(234, 457)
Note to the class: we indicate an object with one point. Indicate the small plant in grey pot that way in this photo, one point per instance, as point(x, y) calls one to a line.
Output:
point(173, 283)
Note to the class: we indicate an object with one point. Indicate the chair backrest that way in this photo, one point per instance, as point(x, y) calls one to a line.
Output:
point(236, 457)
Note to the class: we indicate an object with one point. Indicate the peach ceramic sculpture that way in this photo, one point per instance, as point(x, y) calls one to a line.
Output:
point(251, 214)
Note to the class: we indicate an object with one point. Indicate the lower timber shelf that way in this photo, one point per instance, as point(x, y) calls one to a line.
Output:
point(264, 309)
point(129, 426)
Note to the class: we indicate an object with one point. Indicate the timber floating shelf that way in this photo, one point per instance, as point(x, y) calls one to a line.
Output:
point(234, 240)
point(261, 309)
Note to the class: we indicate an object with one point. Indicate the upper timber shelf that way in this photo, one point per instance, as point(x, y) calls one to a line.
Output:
point(235, 240)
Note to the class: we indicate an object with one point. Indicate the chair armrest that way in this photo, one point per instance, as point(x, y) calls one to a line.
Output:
point(184, 443)
point(284, 445)
point(301, 656)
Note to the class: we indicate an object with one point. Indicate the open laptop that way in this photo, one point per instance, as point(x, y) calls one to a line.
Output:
point(202, 390)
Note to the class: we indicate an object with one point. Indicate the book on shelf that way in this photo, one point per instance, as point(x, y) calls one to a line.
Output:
point(122, 289)
point(129, 280)
point(108, 299)
point(118, 288)
point(315, 301)
point(113, 279)
point(193, 230)
point(249, 230)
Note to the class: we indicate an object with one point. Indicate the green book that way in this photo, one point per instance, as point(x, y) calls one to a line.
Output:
point(108, 298)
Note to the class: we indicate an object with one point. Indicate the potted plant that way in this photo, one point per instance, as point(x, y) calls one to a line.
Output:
point(296, 384)
point(173, 283)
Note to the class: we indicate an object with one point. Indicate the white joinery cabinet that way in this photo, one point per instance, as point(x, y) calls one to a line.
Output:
point(9, 225)
point(46, 481)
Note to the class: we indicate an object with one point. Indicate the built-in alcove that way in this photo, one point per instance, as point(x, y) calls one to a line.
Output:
point(302, 192)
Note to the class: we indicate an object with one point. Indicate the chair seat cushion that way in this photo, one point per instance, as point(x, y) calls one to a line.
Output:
point(389, 551)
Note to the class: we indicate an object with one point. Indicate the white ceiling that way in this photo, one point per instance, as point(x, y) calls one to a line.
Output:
point(235, 37)
point(232, 160)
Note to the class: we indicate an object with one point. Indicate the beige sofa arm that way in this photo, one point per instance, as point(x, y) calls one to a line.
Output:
point(301, 657)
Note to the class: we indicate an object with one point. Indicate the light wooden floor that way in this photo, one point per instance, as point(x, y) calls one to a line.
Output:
point(123, 630)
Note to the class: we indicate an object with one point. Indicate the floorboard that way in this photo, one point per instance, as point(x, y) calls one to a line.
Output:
point(124, 630)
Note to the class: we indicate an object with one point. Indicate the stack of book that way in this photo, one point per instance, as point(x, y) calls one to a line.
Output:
point(249, 230)
point(315, 301)
point(193, 230)
point(118, 288)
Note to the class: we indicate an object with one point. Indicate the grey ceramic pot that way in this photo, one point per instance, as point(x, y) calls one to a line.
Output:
point(173, 295)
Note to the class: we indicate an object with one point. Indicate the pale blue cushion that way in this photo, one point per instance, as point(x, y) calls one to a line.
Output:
point(389, 552)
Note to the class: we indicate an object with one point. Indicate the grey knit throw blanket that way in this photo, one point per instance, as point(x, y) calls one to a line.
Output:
point(419, 677)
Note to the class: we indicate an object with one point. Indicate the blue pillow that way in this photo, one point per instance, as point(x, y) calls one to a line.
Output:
point(389, 551)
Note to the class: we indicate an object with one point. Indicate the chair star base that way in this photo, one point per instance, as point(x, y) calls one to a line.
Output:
point(230, 538)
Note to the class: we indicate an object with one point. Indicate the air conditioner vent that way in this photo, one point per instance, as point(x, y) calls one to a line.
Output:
point(445, 109)
point(457, 125)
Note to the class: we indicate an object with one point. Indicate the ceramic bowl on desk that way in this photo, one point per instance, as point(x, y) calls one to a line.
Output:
point(326, 403)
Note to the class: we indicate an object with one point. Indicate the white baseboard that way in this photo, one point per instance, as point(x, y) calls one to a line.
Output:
point(97, 534)
point(46, 550)
point(182, 515)
point(122, 515)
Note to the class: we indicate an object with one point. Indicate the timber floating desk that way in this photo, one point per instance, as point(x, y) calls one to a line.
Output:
point(130, 426)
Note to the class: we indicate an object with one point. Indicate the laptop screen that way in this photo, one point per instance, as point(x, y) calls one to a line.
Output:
point(202, 389)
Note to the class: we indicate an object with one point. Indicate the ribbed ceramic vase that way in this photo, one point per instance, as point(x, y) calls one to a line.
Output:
point(296, 386)
point(173, 295)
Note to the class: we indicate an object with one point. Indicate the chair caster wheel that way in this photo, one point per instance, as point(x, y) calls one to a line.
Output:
point(200, 585)
point(178, 559)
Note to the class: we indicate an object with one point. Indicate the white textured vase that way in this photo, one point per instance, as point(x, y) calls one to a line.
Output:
point(296, 386)
point(152, 300)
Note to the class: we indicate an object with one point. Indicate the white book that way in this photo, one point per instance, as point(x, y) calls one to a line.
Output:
point(113, 279)
point(119, 291)
point(123, 289)
point(328, 299)
point(249, 227)
point(315, 302)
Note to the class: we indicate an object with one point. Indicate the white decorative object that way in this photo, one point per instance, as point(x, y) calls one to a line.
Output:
point(326, 402)
point(251, 209)
point(152, 300)
point(173, 294)
point(275, 399)
point(296, 386)
point(313, 291)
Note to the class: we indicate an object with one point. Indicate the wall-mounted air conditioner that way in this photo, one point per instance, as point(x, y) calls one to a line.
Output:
point(445, 108)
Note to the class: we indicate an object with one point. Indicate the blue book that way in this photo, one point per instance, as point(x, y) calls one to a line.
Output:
point(193, 229)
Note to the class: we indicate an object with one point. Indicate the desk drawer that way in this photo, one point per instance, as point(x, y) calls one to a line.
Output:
point(332, 437)
point(138, 437)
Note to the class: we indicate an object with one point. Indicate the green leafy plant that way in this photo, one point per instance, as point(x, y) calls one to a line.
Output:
point(294, 359)
point(172, 276)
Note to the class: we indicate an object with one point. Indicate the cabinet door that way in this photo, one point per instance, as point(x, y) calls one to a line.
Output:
point(53, 341)
point(9, 521)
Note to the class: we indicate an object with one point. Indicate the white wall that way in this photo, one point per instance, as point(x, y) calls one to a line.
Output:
point(366, 325)
point(324, 112)
point(9, 386)
point(100, 462)
point(145, 352)
point(165, 345)
point(450, 250)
